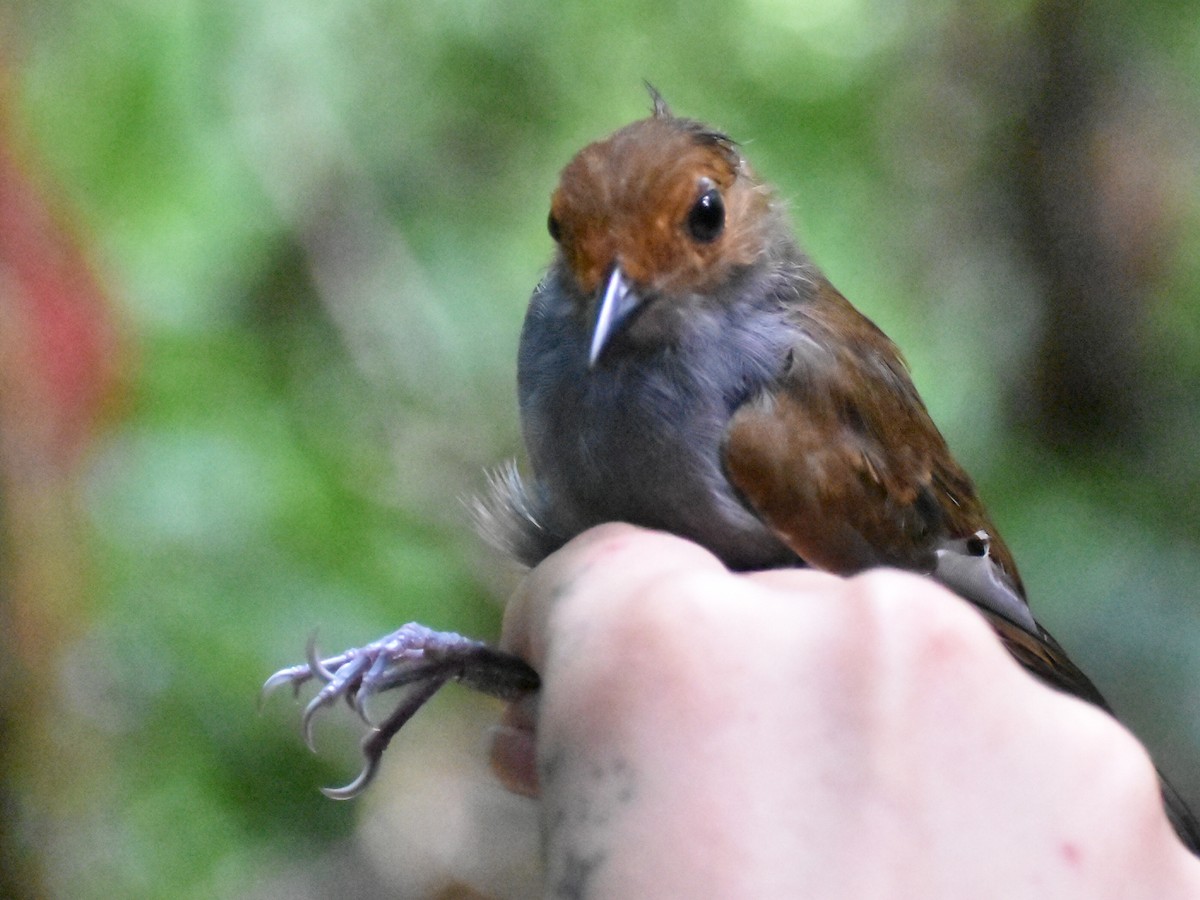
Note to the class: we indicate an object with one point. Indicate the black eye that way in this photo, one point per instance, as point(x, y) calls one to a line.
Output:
point(554, 228)
point(706, 220)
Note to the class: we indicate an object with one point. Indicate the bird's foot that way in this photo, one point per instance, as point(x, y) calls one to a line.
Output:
point(415, 657)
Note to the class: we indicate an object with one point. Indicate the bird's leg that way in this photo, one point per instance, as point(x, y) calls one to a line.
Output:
point(412, 656)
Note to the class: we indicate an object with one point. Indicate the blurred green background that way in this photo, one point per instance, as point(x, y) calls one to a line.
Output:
point(316, 226)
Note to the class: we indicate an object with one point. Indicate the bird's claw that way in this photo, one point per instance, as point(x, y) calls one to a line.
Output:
point(413, 656)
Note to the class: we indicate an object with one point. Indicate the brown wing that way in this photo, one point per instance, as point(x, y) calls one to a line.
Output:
point(843, 461)
point(842, 458)
point(1041, 655)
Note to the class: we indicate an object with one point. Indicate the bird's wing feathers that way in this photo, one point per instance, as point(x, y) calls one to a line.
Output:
point(1041, 654)
point(851, 479)
point(817, 449)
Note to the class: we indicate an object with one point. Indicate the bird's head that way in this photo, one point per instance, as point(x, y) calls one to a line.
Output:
point(655, 219)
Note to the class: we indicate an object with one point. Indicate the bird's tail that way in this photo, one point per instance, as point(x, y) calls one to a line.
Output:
point(1182, 818)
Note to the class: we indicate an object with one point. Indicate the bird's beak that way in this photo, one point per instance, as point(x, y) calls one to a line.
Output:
point(617, 304)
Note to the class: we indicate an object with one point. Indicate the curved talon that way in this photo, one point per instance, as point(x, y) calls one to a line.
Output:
point(307, 718)
point(378, 739)
point(294, 675)
point(337, 684)
point(316, 667)
point(298, 676)
point(358, 785)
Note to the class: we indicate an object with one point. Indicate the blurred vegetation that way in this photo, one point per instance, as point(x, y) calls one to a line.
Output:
point(318, 225)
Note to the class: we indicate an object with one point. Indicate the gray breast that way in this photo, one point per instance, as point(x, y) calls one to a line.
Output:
point(637, 438)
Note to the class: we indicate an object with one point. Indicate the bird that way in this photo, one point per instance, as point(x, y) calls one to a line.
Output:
point(684, 366)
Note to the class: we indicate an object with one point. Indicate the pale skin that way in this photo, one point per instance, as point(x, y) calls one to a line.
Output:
point(794, 734)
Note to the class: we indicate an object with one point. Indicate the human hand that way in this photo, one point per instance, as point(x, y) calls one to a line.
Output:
point(791, 733)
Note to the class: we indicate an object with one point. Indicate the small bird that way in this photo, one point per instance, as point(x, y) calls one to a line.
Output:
point(685, 367)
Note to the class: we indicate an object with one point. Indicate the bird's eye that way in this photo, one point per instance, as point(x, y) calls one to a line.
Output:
point(554, 228)
point(706, 220)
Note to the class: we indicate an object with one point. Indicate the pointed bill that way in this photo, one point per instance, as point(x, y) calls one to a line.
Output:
point(618, 302)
